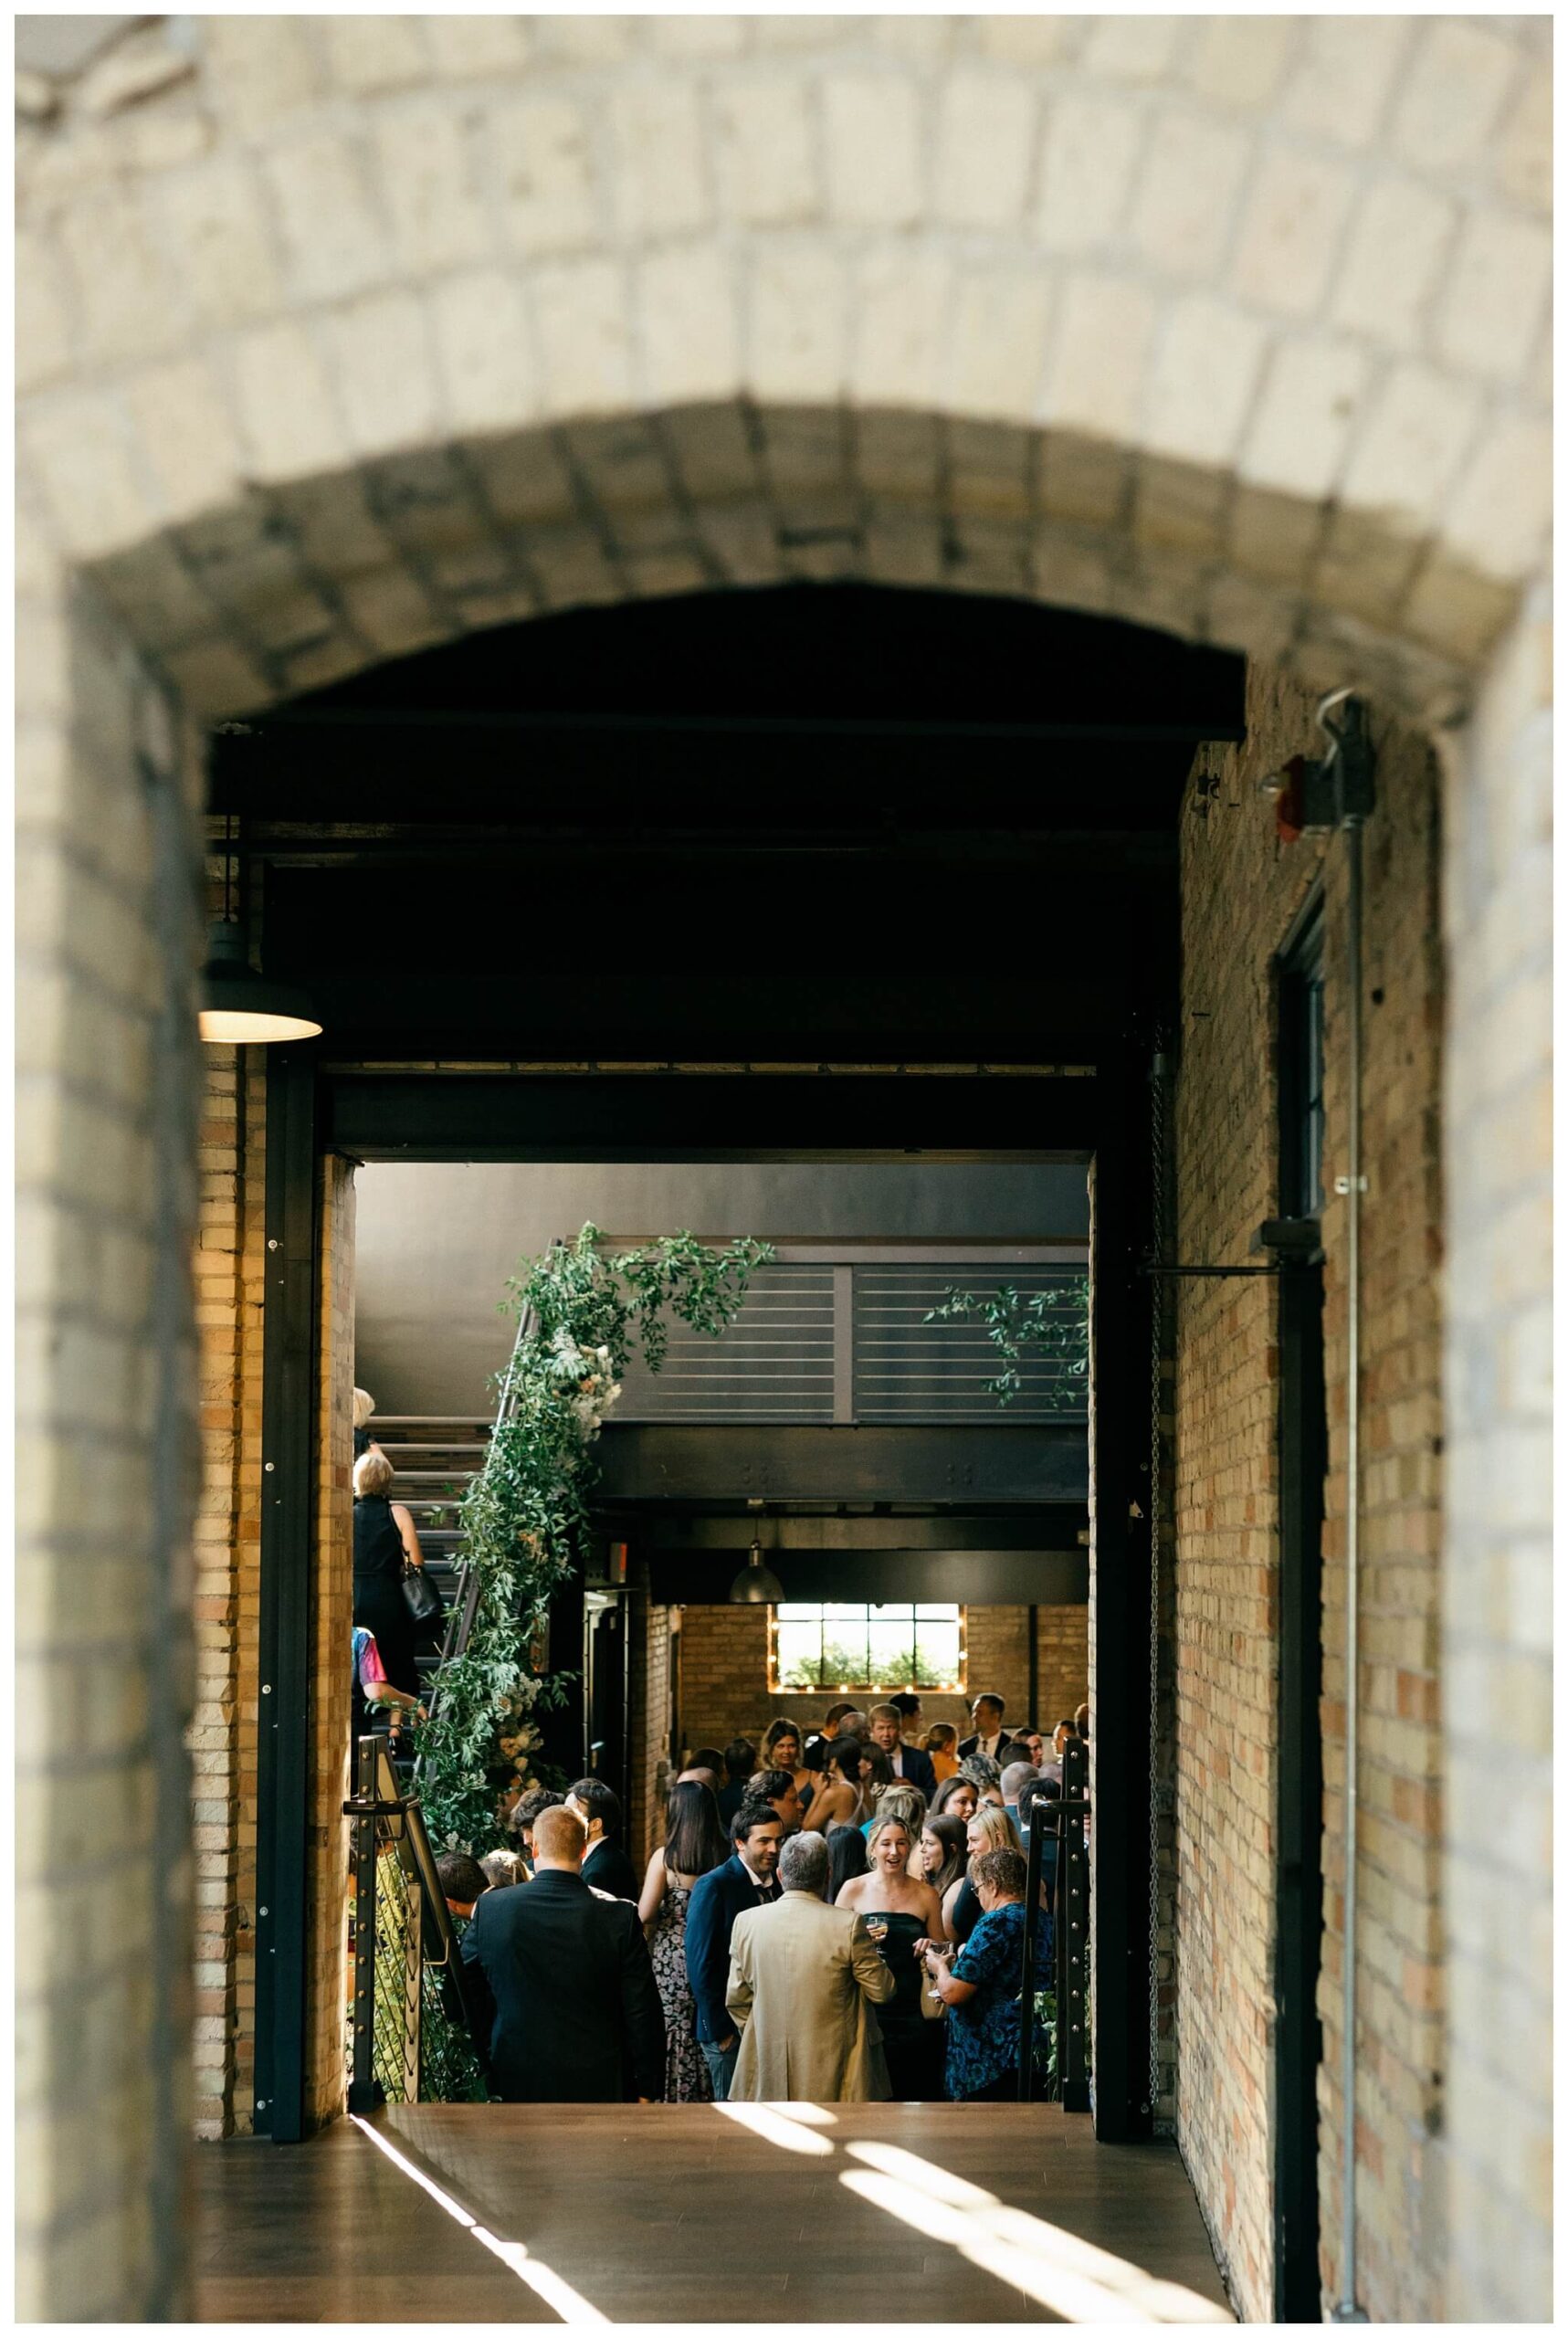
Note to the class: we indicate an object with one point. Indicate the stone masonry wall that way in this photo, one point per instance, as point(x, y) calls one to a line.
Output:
point(340, 334)
point(107, 946)
point(1498, 1579)
point(1227, 1492)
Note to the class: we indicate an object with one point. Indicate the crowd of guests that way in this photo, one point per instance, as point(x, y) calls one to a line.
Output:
point(834, 1918)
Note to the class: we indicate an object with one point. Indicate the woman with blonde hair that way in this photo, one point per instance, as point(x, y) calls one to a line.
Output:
point(385, 1543)
point(903, 1801)
point(990, 1829)
point(900, 1910)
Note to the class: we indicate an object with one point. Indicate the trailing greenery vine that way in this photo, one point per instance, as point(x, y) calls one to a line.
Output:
point(525, 1518)
point(1052, 1322)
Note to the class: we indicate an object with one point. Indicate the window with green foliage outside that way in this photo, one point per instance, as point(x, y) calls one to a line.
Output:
point(860, 1647)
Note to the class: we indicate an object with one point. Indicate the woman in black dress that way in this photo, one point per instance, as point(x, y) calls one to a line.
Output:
point(384, 1540)
point(899, 1911)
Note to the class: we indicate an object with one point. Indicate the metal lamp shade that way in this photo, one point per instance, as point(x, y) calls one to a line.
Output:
point(240, 1006)
point(756, 1585)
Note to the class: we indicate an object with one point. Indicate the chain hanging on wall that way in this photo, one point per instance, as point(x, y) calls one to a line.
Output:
point(1159, 1071)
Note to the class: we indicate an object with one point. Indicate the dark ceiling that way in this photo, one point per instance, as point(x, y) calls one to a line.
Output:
point(842, 706)
point(806, 818)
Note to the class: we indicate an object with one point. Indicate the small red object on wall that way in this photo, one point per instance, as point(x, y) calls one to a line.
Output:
point(1287, 806)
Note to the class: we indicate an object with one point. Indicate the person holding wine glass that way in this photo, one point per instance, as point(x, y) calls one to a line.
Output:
point(900, 1909)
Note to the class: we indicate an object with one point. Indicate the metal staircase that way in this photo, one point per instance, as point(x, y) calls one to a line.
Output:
point(437, 1458)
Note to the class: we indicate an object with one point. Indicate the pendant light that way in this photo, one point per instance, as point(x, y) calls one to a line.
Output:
point(756, 1585)
point(239, 1007)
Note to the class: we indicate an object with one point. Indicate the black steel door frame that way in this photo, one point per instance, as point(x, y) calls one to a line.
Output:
point(1122, 1779)
point(1302, 1459)
point(290, 1397)
point(1299, 1885)
point(426, 1116)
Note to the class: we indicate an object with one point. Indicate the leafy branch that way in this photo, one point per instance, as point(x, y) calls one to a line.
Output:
point(1052, 1322)
point(526, 1517)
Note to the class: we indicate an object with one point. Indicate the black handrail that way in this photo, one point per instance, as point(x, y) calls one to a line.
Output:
point(382, 1813)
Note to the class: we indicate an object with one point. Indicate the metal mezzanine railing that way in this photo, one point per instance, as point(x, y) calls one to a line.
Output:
point(835, 1335)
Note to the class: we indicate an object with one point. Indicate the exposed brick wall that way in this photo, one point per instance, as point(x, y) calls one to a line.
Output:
point(724, 1678)
point(1227, 1494)
point(331, 1622)
point(230, 1265)
point(648, 1723)
point(724, 1687)
point(1062, 1641)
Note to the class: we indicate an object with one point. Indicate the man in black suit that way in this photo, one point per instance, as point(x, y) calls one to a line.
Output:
point(565, 2007)
point(740, 1761)
point(816, 1755)
point(908, 1761)
point(748, 1880)
point(909, 1704)
point(605, 1865)
point(989, 1737)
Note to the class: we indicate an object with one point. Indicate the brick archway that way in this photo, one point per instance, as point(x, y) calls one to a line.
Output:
point(340, 337)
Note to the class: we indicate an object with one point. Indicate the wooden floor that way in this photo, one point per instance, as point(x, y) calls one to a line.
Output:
point(868, 2213)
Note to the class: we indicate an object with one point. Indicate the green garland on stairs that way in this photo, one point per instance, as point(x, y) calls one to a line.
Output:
point(526, 1518)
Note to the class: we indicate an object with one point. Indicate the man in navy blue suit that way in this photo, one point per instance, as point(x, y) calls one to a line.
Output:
point(908, 1761)
point(746, 1879)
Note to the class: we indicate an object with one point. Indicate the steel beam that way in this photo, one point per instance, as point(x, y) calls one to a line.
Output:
point(287, 1511)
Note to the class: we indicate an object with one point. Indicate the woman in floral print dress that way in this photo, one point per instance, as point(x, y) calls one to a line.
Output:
point(694, 1843)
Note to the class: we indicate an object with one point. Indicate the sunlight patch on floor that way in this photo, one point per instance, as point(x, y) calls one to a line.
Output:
point(1071, 2278)
point(546, 2285)
point(768, 2121)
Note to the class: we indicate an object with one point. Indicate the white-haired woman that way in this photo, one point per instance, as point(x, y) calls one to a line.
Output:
point(364, 1405)
point(384, 1541)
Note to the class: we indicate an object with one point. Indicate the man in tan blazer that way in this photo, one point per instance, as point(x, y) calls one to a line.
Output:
point(803, 1979)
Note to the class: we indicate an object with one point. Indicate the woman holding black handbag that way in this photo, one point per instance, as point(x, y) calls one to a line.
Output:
point(385, 1544)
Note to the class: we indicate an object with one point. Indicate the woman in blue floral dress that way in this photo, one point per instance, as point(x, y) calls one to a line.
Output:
point(694, 1842)
point(980, 1987)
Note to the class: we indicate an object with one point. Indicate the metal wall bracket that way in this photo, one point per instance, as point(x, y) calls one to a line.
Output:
point(1293, 1241)
point(1148, 1268)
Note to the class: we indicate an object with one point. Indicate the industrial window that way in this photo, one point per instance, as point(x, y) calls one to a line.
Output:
point(891, 1646)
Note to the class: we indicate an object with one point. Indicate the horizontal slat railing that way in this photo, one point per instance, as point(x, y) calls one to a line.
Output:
point(833, 1340)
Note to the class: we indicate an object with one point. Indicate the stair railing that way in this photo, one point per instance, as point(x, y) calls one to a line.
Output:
point(465, 1606)
point(402, 1930)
